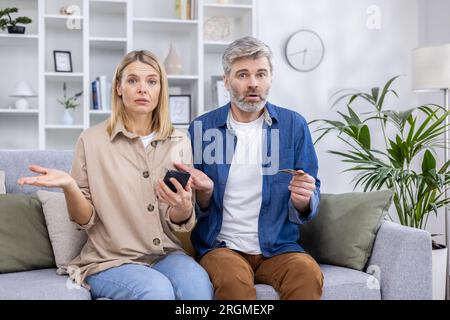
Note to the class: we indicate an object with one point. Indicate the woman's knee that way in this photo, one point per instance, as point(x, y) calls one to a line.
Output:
point(189, 279)
point(131, 282)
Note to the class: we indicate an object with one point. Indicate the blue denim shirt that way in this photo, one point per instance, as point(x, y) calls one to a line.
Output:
point(291, 149)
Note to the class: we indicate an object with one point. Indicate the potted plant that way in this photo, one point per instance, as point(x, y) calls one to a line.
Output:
point(410, 137)
point(69, 103)
point(10, 23)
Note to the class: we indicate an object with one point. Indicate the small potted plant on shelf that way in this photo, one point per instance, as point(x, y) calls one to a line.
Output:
point(10, 23)
point(69, 103)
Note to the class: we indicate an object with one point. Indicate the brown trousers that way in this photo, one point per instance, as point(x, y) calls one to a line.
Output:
point(295, 276)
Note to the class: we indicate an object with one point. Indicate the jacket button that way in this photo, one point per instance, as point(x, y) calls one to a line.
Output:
point(153, 143)
point(150, 207)
point(145, 174)
point(156, 241)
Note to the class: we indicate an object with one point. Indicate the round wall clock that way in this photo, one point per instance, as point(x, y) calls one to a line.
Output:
point(304, 50)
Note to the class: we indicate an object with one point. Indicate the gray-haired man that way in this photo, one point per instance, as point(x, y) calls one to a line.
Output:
point(249, 211)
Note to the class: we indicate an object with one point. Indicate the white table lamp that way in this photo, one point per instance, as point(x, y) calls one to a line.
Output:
point(22, 90)
point(431, 72)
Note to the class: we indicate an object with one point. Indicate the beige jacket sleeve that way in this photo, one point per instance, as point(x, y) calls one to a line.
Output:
point(80, 175)
point(182, 152)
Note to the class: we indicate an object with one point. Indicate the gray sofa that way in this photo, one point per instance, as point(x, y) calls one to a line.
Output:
point(400, 261)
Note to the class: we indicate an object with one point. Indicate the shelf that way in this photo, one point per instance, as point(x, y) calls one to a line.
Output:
point(61, 17)
point(64, 76)
point(167, 25)
point(63, 127)
point(60, 21)
point(99, 112)
point(20, 39)
point(229, 10)
point(215, 46)
point(17, 112)
point(108, 43)
point(181, 80)
point(109, 1)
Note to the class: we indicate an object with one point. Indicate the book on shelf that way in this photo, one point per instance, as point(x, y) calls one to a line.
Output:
point(101, 94)
point(95, 93)
point(184, 9)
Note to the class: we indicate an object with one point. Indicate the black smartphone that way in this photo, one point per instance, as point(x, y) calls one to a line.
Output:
point(182, 178)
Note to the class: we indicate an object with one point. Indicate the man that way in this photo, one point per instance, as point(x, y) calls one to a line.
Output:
point(248, 211)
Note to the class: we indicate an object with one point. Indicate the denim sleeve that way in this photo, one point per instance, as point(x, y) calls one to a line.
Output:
point(305, 159)
point(195, 135)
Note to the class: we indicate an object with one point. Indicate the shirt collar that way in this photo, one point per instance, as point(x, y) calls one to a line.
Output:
point(120, 128)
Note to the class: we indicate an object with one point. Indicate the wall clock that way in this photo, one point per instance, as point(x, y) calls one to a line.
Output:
point(304, 50)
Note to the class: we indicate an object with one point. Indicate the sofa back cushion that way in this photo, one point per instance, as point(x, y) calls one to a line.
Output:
point(345, 228)
point(24, 241)
point(67, 240)
point(15, 164)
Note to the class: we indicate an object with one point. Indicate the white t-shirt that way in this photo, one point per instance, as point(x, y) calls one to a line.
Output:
point(243, 192)
point(147, 139)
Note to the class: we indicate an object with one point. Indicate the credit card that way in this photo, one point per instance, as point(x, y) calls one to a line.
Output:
point(291, 172)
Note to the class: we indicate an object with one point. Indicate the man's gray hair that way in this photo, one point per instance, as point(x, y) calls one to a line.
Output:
point(245, 47)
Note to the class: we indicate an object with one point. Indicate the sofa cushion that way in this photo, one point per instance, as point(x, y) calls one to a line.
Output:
point(339, 284)
point(24, 242)
point(348, 284)
point(67, 240)
point(16, 164)
point(42, 284)
point(344, 230)
point(2, 182)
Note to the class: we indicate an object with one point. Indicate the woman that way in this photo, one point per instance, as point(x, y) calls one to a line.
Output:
point(116, 193)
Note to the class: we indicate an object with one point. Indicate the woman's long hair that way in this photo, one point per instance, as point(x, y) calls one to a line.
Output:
point(160, 122)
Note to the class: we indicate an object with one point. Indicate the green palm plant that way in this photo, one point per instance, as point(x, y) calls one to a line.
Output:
point(417, 133)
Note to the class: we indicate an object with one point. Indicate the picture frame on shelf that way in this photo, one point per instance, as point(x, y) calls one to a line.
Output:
point(63, 61)
point(180, 109)
point(220, 95)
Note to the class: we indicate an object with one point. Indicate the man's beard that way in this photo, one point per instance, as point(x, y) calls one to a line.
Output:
point(240, 102)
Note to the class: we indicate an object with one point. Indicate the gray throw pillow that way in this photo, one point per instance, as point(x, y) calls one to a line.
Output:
point(2, 182)
point(24, 242)
point(343, 232)
point(67, 240)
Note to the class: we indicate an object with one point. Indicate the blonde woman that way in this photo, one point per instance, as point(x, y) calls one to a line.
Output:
point(116, 193)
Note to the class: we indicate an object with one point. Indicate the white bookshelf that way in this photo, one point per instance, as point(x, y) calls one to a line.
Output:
point(108, 29)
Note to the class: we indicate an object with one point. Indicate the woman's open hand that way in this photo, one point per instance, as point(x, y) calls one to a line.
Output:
point(50, 178)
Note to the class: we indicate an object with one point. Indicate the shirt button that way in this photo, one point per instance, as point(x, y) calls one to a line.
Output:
point(150, 207)
point(153, 143)
point(145, 174)
point(156, 241)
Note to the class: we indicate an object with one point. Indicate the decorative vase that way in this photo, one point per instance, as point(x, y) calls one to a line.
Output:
point(172, 63)
point(67, 117)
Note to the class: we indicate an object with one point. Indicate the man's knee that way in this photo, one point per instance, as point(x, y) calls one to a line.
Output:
point(231, 275)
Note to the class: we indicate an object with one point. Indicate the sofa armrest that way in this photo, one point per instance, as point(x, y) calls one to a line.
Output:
point(401, 261)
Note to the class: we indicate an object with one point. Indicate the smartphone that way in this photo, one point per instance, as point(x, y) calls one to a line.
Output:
point(182, 178)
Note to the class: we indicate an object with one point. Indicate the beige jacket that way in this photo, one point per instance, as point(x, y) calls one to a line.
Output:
point(118, 177)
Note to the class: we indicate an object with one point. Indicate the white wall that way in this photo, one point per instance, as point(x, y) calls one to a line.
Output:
point(434, 30)
point(355, 57)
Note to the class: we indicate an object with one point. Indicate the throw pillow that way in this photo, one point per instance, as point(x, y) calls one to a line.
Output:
point(344, 230)
point(2, 182)
point(67, 241)
point(24, 242)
